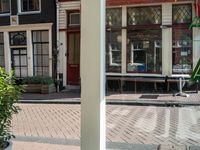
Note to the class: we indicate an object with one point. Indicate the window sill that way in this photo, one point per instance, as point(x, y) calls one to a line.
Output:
point(5, 14)
point(29, 12)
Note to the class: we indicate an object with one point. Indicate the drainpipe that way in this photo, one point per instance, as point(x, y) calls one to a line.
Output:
point(58, 43)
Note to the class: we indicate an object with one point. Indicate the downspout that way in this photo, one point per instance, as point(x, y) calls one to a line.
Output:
point(58, 44)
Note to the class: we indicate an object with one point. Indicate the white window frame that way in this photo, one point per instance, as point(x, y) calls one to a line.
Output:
point(28, 12)
point(7, 14)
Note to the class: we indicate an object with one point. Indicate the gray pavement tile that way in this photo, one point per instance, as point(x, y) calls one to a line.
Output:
point(172, 147)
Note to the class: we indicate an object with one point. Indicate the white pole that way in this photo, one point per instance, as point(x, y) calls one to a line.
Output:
point(93, 75)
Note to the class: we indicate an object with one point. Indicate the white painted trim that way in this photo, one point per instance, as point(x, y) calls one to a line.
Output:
point(124, 39)
point(28, 12)
point(134, 74)
point(167, 51)
point(7, 52)
point(29, 53)
point(50, 53)
point(41, 26)
point(93, 123)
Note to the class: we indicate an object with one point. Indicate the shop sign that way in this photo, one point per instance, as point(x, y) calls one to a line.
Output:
point(195, 22)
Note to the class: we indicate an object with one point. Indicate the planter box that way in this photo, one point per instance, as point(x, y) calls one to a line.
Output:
point(39, 88)
point(46, 89)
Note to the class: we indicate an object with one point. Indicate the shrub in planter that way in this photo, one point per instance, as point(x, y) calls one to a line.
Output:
point(39, 84)
point(9, 95)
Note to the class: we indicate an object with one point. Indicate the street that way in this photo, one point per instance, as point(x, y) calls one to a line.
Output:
point(52, 123)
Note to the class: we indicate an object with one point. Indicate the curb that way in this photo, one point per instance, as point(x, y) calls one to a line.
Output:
point(160, 103)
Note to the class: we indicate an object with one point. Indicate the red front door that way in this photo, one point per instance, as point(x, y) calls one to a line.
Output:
point(73, 59)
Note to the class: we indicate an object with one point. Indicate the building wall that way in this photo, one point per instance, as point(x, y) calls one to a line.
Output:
point(43, 20)
point(166, 33)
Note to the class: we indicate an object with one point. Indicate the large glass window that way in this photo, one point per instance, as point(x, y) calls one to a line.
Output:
point(4, 6)
point(113, 39)
point(2, 60)
point(182, 51)
point(30, 5)
point(182, 39)
point(144, 15)
point(144, 51)
point(41, 52)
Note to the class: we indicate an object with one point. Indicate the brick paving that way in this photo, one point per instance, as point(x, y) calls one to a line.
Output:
point(125, 124)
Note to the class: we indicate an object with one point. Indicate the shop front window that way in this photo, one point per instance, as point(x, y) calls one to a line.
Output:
point(113, 39)
point(182, 51)
point(144, 51)
point(144, 15)
point(182, 13)
point(113, 51)
point(41, 53)
point(114, 17)
point(2, 60)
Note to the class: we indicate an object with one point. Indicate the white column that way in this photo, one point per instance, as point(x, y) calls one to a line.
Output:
point(93, 75)
point(167, 51)
point(124, 35)
point(29, 53)
point(7, 52)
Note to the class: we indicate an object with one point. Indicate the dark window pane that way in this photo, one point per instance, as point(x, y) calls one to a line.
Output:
point(182, 13)
point(114, 17)
point(144, 15)
point(30, 5)
point(4, 6)
point(17, 38)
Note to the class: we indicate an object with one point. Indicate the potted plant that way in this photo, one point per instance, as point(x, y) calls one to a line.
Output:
point(9, 95)
point(39, 84)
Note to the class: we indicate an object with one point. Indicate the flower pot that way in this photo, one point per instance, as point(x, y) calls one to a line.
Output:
point(7, 145)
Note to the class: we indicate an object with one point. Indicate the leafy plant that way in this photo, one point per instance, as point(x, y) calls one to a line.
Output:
point(45, 80)
point(9, 95)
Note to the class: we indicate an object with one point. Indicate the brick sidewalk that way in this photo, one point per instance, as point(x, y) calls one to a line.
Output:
point(125, 124)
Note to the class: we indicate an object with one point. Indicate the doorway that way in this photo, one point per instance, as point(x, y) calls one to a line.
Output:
point(73, 59)
point(19, 62)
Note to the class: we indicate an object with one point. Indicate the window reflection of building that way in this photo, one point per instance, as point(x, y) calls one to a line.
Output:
point(182, 39)
point(144, 36)
point(113, 40)
point(144, 53)
point(2, 60)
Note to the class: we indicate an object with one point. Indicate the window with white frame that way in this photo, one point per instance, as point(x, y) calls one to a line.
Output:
point(4, 6)
point(30, 5)
point(41, 52)
point(2, 59)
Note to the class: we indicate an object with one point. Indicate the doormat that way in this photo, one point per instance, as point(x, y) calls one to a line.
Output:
point(149, 96)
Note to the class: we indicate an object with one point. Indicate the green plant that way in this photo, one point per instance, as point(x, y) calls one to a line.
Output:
point(45, 80)
point(9, 95)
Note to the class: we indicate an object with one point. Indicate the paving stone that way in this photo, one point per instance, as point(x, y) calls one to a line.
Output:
point(194, 148)
point(172, 147)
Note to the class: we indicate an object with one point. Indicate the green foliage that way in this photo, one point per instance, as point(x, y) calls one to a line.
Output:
point(45, 80)
point(9, 95)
